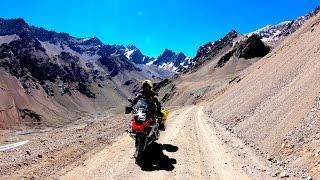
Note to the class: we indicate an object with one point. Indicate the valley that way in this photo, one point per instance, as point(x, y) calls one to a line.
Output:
point(247, 106)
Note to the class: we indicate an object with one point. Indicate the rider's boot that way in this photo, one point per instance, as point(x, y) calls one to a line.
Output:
point(162, 126)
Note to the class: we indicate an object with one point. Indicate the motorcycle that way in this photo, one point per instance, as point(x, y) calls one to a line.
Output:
point(144, 127)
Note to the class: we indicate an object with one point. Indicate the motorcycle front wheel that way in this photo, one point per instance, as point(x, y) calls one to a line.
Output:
point(140, 145)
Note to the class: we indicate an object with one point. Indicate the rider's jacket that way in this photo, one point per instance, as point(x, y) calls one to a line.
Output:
point(152, 100)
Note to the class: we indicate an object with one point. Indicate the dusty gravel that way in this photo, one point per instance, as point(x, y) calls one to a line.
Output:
point(50, 150)
point(190, 148)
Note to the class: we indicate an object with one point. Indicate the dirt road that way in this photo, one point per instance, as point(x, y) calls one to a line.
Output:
point(190, 148)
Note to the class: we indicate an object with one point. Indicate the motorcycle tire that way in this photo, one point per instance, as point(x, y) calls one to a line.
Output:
point(140, 144)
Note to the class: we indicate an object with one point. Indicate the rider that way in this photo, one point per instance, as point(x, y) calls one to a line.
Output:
point(151, 96)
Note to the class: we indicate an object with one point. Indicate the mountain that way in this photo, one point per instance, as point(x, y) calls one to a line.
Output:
point(84, 71)
point(231, 45)
point(49, 78)
point(135, 55)
point(212, 49)
point(222, 60)
point(273, 34)
point(266, 95)
point(270, 35)
point(172, 61)
point(168, 61)
point(274, 104)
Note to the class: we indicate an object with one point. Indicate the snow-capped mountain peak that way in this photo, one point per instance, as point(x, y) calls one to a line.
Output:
point(167, 61)
point(272, 34)
point(170, 60)
point(133, 54)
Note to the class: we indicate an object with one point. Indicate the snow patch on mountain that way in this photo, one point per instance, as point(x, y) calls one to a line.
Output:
point(168, 66)
point(128, 53)
point(151, 62)
point(273, 34)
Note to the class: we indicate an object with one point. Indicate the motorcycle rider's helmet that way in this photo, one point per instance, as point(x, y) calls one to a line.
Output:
point(147, 82)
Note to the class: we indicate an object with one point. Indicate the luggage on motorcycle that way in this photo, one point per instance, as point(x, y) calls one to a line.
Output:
point(165, 114)
point(163, 119)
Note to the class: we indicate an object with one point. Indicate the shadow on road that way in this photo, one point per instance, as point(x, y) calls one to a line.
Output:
point(154, 159)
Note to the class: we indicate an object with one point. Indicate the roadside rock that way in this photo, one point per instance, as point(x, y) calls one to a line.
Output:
point(252, 47)
point(284, 175)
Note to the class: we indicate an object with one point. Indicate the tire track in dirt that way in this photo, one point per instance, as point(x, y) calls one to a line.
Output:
point(214, 152)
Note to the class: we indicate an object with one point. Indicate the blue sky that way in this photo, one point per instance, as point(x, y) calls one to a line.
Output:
point(153, 25)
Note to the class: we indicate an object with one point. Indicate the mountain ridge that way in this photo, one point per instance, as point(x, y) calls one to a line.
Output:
point(273, 34)
point(19, 26)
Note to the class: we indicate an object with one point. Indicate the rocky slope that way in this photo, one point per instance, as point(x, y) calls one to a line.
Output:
point(275, 105)
point(270, 103)
point(239, 50)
